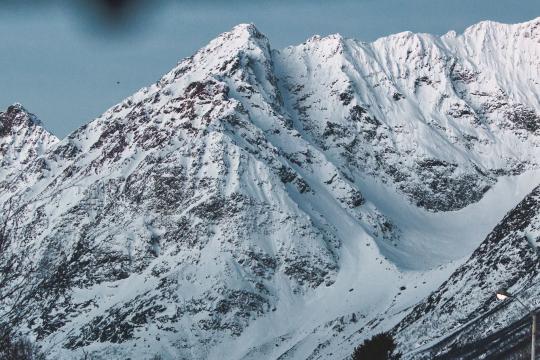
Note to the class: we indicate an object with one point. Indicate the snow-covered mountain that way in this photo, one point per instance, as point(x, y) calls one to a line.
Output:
point(256, 203)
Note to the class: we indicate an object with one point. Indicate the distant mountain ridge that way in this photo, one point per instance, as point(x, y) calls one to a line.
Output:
point(256, 203)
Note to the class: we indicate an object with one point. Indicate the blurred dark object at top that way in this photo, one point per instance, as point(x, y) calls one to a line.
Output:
point(101, 14)
point(114, 12)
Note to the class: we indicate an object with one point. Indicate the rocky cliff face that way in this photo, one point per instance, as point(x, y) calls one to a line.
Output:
point(261, 203)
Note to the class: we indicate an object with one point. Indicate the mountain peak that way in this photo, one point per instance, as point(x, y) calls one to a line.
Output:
point(17, 108)
point(224, 54)
point(333, 38)
point(246, 28)
point(239, 37)
point(16, 116)
point(22, 139)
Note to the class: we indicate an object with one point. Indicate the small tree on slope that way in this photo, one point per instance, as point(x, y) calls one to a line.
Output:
point(379, 347)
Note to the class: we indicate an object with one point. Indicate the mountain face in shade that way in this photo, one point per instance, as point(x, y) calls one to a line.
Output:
point(256, 203)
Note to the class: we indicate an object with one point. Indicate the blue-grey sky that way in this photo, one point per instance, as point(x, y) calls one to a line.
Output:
point(63, 64)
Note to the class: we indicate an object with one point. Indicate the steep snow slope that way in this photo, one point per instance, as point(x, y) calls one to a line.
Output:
point(260, 203)
point(465, 304)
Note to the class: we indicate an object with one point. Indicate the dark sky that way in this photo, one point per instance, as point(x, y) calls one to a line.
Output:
point(62, 59)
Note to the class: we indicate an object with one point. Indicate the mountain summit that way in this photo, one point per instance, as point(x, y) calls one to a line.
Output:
point(22, 139)
point(260, 203)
